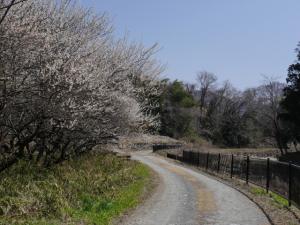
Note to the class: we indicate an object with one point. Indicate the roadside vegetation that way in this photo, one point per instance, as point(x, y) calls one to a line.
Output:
point(93, 189)
point(279, 200)
point(67, 84)
point(274, 205)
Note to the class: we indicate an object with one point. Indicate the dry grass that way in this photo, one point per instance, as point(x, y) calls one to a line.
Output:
point(93, 189)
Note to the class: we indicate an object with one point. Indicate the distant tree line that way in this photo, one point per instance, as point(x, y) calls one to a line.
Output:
point(67, 84)
point(264, 116)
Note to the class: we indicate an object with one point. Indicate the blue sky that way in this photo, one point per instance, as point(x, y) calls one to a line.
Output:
point(238, 40)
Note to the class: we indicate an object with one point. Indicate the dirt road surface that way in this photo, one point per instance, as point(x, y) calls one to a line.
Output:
point(187, 197)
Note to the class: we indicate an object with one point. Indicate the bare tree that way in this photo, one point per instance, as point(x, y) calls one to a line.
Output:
point(205, 81)
point(271, 93)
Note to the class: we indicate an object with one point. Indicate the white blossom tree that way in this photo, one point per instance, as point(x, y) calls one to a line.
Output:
point(67, 84)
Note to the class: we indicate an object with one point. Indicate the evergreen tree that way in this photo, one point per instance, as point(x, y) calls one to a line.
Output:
point(291, 100)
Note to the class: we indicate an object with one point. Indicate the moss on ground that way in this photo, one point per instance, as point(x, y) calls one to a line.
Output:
point(94, 189)
point(279, 200)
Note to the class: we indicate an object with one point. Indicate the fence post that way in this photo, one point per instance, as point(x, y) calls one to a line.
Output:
point(207, 157)
point(231, 168)
point(193, 158)
point(268, 175)
point(290, 184)
point(247, 169)
point(219, 160)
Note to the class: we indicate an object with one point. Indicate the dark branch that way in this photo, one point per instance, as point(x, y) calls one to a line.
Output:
point(12, 4)
point(7, 9)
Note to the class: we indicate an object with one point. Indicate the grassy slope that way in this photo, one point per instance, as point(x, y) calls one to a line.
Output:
point(91, 190)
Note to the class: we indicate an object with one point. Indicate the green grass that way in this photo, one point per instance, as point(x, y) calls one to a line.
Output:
point(94, 189)
point(279, 200)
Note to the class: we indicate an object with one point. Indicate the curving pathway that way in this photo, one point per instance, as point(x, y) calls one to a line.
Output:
point(186, 197)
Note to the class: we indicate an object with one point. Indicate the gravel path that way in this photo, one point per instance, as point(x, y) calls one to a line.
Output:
point(185, 197)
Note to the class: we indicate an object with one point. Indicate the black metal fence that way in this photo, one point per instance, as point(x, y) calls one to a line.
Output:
point(278, 177)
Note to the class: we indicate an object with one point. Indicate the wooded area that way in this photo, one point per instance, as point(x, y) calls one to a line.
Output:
point(263, 116)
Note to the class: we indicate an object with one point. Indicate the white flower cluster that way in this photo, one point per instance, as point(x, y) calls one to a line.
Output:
point(67, 84)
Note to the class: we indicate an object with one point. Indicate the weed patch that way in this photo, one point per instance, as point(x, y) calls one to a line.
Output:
point(279, 200)
point(91, 190)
